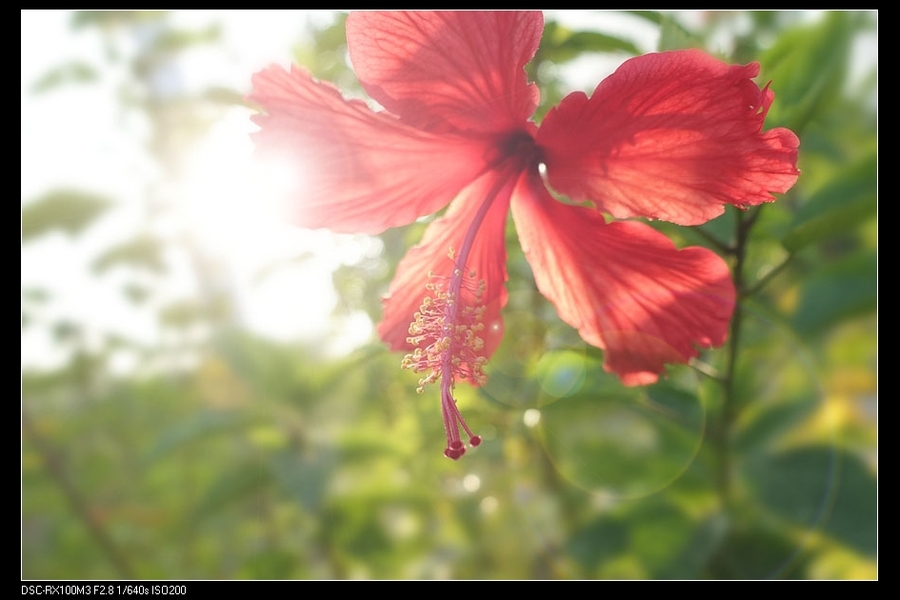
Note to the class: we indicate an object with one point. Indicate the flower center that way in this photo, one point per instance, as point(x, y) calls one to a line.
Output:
point(521, 148)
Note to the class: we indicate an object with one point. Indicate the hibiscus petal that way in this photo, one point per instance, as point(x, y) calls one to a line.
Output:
point(673, 136)
point(623, 285)
point(487, 259)
point(366, 171)
point(448, 70)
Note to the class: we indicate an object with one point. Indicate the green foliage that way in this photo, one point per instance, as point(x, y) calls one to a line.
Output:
point(64, 209)
point(144, 252)
point(846, 202)
point(71, 72)
point(810, 64)
point(220, 454)
point(560, 44)
point(837, 291)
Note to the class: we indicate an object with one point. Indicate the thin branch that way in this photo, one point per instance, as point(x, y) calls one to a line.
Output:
point(714, 241)
point(765, 279)
point(79, 504)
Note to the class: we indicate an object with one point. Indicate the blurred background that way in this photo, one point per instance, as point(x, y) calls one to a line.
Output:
point(203, 396)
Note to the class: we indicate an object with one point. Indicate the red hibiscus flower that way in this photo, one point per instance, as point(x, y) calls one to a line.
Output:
point(674, 136)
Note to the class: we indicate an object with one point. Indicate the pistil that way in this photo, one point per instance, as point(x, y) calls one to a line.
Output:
point(446, 330)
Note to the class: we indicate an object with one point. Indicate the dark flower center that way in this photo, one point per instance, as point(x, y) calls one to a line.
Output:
point(519, 145)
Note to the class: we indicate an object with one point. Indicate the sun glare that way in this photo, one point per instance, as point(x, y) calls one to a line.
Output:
point(281, 273)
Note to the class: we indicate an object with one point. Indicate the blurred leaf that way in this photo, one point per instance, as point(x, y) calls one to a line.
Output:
point(304, 476)
point(653, 16)
point(269, 565)
point(226, 96)
point(623, 445)
point(36, 295)
point(822, 488)
point(136, 293)
point(663, 534)
point(599, 542)
point(695, 553)
point(184, 313)
point(674, 36)
point(325, 56)
point(142, 252)
point(560, 44)
point(756, 550)
point(807, 65)
point(836, 292)
point(109, 19)
point(362, 445)
point(66, 209)
point(765, 421)
point(592, 41)
point(233, 485)
point(839, 207)
point(66, 330)
point(175, 40)
point(71, 72)
point(198, 426)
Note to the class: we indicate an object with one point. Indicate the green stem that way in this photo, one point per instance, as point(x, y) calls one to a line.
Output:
point(723, 430)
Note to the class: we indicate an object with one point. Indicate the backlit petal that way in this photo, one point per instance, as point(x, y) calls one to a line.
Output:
point(623, 285)
point(365, 171)
point(673, 136)
point(487, 259)
point(448, 70)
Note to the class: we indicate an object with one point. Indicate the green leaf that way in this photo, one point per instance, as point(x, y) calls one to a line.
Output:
point(71, 72)
point(757, 550)
point(593, 41)
point(232, 486)
point(849, 200)
point(629, 444)
point(143, 252)
point(198, 426)
point(653, 16)
point(704, 542)
point(765, 421)
point(819, 488)
point(176, 40)
point(111, 19)
point(673, 36)
point(837, 292)
point(269, 564)
point(560, 44)
point(304, 476)
point(807, 66)
point(226, 96)
point(600, 541)
point(37, 295)
point(66, 209)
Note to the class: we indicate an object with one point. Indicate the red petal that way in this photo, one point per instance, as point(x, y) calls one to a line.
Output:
point(672, 136)
point(448, 70)
point(366, 171)
point(623, 285)
point(487, 258)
